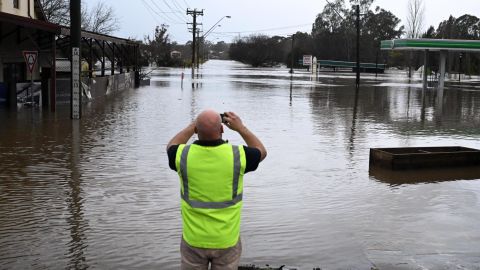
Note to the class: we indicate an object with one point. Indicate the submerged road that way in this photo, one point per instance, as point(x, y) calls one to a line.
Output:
point(98, 193)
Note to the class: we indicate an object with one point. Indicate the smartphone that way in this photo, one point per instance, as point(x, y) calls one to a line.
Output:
point(222, 115)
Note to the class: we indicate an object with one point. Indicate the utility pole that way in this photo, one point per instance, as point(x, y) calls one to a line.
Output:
point(75, 37)
point(358, 46)
point(194, 14)
point(199, 41)
point(291, 54)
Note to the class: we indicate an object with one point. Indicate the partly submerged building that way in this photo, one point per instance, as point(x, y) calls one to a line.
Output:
point(23, 27)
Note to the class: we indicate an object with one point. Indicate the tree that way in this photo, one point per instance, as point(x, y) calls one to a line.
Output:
point(56, 11)
point(415, 18)
point(378, 25)
point(159, 47)
point(334, 31)
point(259, 50)
point(364, 5)
point(464, 27)
point(331, 32)
point(332, 37)
point(99, 19)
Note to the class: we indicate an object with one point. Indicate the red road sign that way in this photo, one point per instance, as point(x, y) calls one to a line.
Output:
point(30, 59)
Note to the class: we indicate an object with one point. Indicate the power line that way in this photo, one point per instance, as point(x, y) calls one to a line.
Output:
point(176, 4)
point(178, 16)
point(150, 11)
point(180, 8)
point(186, 4)
point(216, 34)
point(165, 15)
point(148, 8)
point(334, 9)
point(268, 29)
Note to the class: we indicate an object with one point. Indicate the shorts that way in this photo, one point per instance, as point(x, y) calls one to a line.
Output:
point(219, 259)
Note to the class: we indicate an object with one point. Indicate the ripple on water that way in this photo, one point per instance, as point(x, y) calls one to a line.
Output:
point(99, 194)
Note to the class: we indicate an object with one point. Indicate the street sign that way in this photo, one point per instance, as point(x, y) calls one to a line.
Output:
point(75, 83)
point(307, 60)
point(30, 59)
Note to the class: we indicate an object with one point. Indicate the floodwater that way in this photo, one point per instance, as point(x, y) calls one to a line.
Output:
point(98, 193)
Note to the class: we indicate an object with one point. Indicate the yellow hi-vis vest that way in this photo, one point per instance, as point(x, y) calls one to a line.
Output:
point(211, 191)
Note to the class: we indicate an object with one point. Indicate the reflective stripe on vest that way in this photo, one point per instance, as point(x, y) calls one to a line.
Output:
point(211, 205)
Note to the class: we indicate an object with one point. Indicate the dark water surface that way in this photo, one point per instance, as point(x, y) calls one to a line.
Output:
point(99, 194)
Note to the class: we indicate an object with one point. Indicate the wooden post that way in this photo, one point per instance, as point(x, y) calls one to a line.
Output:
point(90, 59)
point(103, 58)
point(112, 60)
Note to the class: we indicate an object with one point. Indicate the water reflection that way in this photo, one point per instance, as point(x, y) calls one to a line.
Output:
point(412, 110)
point(396, 178)
point(291, 91)
point(354, 122)
point(74, 196)
point(100, 194)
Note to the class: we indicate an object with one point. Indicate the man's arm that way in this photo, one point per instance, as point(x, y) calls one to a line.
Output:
point(183, 136)
point(235, 123)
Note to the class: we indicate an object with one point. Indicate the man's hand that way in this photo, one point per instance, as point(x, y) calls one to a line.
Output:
point(235, 123)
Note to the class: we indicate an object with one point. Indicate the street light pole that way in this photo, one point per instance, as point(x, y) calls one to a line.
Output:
point(215, 25)
point(202, 38)
point(291, 54)
point(358, 45)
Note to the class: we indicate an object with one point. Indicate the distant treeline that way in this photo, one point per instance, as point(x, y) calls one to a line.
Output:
point(157, 50)
point(333, 37)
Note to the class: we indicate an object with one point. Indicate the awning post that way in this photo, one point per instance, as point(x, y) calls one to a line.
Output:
point(425, 64)
point(443, 60)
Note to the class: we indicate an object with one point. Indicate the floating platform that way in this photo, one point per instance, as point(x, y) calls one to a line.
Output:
point(406, 158)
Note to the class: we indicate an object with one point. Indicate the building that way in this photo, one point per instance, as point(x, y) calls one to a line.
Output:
point(175, 54)
point(27, 9)
point(23, 27)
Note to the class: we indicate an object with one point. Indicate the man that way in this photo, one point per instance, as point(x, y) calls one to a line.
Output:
point(211, 174)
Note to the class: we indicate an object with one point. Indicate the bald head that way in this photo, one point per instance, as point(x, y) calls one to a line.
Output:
point(209, 125)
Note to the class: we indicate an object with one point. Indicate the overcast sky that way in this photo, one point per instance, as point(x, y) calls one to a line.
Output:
point(272, 17)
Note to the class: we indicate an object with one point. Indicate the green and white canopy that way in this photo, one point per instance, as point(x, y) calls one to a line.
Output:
point(431, 44)
point(426, 44)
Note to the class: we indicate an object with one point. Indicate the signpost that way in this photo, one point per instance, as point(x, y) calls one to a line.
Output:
point(31, 60)
point(75, 83)
point(307, 60)
point(75, 45)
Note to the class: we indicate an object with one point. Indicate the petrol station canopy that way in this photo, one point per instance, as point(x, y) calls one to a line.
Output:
point(458, 45)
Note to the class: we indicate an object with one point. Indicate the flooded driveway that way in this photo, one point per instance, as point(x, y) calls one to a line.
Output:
point(99, 194)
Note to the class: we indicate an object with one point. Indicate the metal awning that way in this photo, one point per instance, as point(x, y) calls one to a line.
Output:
point(431, 44)
point(101, 37)
point(29, 23)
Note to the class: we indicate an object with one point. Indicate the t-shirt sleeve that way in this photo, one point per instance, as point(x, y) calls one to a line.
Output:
point(172, 155)
point(252, 155)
